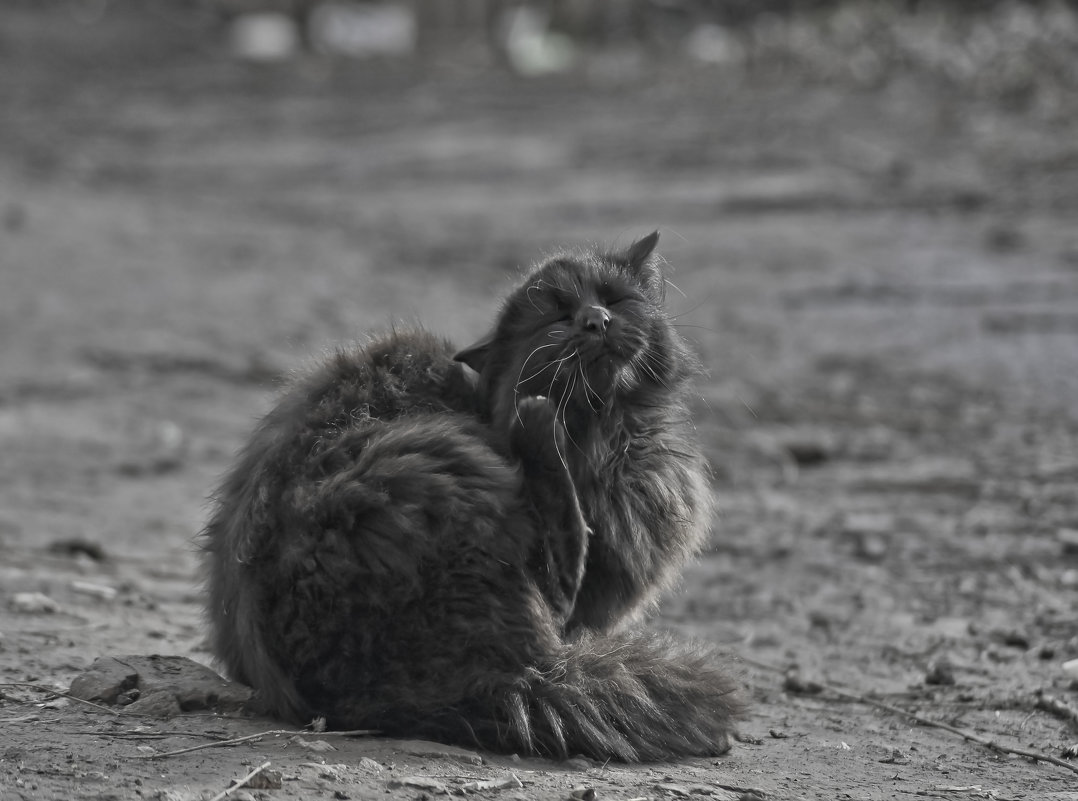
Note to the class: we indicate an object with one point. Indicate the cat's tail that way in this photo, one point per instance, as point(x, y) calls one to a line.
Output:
point(633, 697)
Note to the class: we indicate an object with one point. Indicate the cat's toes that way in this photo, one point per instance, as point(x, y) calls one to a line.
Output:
point(537, 436)
point(535, 413)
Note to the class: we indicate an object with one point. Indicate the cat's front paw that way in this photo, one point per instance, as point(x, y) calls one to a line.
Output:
point(537, 436)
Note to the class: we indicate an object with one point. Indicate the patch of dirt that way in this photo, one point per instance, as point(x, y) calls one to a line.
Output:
point(882, 281)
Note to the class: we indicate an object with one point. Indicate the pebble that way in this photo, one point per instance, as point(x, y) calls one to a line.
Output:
point(427, 750)
point(419, 783)
point(33, 603)
point(870, 533)
point(1068, 540)
point(264, 37)
point(940, 672)
point(369, 765)
point(99, 591)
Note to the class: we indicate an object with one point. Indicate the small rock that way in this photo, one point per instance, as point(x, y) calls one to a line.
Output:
point(314, 746)
point(78, 547)
point(870, 533)
point(508, 783)
point(419, 783)
point(1071, 669)
point(369, 765)
point(940, 672)
point(264, 37)
point(1012, 638)
point(428, 750)
point(583, 793)
point(896, 757)
point(100, 591)
point(331, 773)
point(1068, 540)
point(794, 683)
point(872, 523)
point(808, 447)
point(31, 603)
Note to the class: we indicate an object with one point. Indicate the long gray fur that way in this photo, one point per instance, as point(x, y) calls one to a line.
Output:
point(455, 544)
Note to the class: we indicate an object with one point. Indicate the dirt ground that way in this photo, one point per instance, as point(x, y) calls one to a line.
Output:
point(882, 278)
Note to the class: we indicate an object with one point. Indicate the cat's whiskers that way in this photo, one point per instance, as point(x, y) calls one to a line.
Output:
point(707, 299)
point(528, 293)
point(649, 365)
point(539, 372)
point(563, 404)
point(523, 367)
point(521, 380)
point(589, 391)
point(675, 287)
point(554, 379)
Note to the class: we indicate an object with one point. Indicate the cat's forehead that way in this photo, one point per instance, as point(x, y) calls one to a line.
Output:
point(574, 271)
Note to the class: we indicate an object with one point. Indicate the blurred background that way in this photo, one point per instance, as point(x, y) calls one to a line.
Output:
point(868, 208)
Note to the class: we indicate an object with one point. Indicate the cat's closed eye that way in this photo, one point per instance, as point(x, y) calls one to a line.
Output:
point(615, 297)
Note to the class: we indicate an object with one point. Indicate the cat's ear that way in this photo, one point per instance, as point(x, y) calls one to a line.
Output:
point(639, 251)
point(475, 355)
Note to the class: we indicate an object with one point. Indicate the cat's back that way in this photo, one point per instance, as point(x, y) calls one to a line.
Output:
point(375, 383)
point(402, 373)
point(329, 412)
point(395, 400)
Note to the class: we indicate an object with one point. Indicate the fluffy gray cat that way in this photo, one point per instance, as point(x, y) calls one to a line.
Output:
point(450, 544)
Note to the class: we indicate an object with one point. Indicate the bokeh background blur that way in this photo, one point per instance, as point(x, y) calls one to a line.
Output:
point(868, 209)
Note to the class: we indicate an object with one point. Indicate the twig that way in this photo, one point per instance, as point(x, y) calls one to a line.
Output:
point(59, 694)
point(249, 737)
point(241, 783)
point(965, 735)
point(149, 735)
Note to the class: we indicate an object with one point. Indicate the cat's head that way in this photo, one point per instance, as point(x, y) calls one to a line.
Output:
point(587, 330)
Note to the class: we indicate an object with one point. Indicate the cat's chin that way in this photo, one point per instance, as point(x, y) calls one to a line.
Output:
point(606, 377)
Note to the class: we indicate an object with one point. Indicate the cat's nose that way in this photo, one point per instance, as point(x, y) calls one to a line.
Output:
point(594, 319)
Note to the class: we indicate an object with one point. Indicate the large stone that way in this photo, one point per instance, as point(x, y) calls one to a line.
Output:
point(104, 681)
point(191, 685)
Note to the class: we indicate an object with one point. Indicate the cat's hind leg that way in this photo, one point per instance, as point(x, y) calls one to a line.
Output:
point(538, 440)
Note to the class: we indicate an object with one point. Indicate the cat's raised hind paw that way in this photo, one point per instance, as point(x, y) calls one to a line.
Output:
point(536, 435)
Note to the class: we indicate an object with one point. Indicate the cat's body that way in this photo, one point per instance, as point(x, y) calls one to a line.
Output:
point(412, 545)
